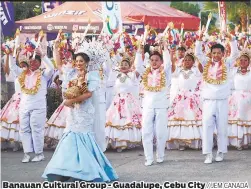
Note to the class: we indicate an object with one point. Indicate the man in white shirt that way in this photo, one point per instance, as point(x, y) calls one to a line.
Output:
point(156, 80)
point(215, 93)
point(32, 112)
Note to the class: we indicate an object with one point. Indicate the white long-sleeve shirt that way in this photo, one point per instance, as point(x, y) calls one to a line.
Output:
point(37, 100)
point(211, 91)
point(159, 99)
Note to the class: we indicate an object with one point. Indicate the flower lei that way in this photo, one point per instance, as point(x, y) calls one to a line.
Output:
point(215, 81)
point(156, 88)
point(34, 89)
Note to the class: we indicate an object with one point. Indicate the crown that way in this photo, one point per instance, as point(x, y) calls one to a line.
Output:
point(126, 58)
point(245, 52)
point(96, 51)
point(190, 53)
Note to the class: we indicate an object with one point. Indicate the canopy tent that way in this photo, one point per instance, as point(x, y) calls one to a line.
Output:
point(69, 15)
point(77, 14)
point(159, 14)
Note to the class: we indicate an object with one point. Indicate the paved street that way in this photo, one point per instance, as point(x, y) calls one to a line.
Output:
point(178, 166)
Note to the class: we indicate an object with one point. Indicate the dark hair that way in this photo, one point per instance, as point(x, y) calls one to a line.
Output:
point(55, 79)
point(37, 57)
point(181, 49)
point(147, 48)
point(83, 55)
point(218, 46)
point(157, 54)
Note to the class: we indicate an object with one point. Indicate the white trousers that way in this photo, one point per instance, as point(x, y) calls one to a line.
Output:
point(215, 115)
point(32, 123)
point(154, 118)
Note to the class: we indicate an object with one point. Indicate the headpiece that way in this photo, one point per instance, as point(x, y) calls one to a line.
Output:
point(190, 52)
point(23, 59)
point(127, 59)
point(245, 52)
point(96, 51)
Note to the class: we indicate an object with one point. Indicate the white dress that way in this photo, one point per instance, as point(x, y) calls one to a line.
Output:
point(184, 114)
point(123, 118)
point(10, 116)
point(239, 120)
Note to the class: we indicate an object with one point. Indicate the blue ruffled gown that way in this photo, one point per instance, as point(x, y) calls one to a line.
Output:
point(77, 154)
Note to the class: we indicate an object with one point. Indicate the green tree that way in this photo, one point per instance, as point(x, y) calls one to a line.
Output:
point(189, 8)
point(194, 10)
point(24, 10)
point(204, 18)
point(236, 11)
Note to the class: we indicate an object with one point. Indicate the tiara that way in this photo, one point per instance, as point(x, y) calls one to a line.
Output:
point(190, 53)
point(245, 52)
point(154, 49)
point(126, 58)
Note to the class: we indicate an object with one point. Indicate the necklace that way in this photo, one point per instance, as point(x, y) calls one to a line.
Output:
point(156, 88)
point(122, 79)
point(34, 89)
point(240, 71)
point(215, 81)
point(186, 74)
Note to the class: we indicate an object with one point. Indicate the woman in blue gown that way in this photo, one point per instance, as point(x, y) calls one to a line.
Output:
point(77, 156)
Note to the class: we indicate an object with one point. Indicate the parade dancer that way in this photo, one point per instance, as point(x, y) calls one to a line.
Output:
point(239, 116)
point(78, 156)
point(123, 118)
point(215, 93)
point(57, 122)
point(156, 80)
point(32, 112)
point(177, 61)
point(185, 112)
point(10, 113)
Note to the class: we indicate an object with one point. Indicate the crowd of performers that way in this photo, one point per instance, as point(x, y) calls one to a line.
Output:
point(121, 96)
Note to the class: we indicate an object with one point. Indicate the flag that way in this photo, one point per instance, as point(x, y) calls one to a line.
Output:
point(48, 6)
point(112, 19)
point(222, 15)
point(7, 17)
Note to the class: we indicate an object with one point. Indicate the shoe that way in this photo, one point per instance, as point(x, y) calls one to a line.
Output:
point(219, 157)
point(26, 158)
point(148, 163)
point(209, 159)
point(181, 148)
point(159, 160)
point(119, 150)
point(239, 148)
point(37, 158)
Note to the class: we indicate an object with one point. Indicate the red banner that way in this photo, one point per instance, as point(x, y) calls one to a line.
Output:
point(222, 15)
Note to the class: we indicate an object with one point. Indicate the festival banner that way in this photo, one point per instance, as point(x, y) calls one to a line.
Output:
point(48, 6)
point(222, 15)
point(112, 19)
point(7, 17)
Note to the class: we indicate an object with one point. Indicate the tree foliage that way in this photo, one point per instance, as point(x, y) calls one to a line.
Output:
point(236, 11)
point(194, 10)
point(189, 8)
point(24, 10)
